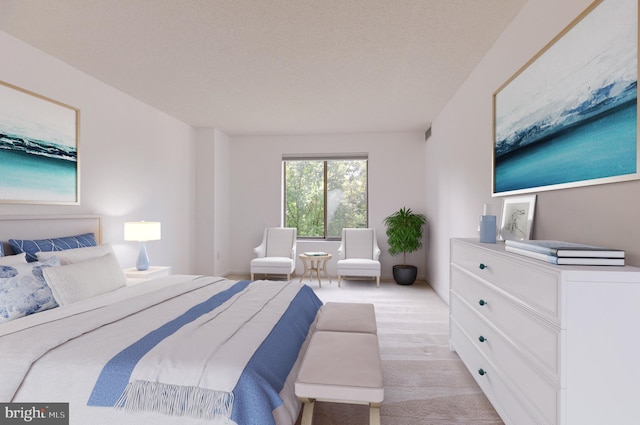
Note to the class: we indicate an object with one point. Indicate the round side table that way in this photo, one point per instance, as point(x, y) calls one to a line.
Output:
point(315, 262)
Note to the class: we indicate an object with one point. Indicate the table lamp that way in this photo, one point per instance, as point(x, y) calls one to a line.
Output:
point(142, 231)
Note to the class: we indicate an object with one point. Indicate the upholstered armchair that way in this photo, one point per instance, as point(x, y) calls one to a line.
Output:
point(277, 252)
point(359, 254)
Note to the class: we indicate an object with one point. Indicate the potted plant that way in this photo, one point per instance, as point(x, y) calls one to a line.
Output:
point(404, 235)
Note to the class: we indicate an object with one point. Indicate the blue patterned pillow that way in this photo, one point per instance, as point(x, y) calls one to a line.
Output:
point(31, 246)
point(23, 290)
point(1, 249)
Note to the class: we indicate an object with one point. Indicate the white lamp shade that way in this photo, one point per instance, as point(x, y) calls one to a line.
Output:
point(142, 231)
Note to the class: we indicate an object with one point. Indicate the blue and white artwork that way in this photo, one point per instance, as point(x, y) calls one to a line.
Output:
point(38, 148)
point(570, 117)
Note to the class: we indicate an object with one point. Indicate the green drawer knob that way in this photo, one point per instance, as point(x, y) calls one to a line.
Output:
point(482, 302)
point(482, 339)
point(482, 372)
point(482, 266)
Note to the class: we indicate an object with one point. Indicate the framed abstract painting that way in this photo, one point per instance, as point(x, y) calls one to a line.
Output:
point(569, 117)
point(38, 148)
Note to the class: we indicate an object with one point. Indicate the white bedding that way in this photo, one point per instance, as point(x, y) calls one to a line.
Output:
point(89, 333)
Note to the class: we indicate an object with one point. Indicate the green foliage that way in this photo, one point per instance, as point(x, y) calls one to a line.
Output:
point(304, 197)
point(346, 196)
point(404, 232)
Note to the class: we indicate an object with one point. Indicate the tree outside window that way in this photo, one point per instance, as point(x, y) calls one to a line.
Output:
point(324, 196)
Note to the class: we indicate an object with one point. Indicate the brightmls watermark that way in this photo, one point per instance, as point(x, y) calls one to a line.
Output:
point(34, 413)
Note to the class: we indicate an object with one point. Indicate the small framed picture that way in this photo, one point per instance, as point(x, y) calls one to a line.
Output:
point(517, 217)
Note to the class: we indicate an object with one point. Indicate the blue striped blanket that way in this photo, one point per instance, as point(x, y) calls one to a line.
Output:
point(227, 356)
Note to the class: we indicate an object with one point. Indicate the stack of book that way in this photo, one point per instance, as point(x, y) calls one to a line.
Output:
point(559, 252)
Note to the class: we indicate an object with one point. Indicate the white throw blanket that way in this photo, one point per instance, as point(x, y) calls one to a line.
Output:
point(25, 340)
point(175, 378)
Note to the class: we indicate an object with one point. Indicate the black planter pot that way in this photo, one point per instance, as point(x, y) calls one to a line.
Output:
point(405, 275)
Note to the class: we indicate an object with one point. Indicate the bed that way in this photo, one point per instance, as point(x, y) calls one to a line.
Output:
point(179, 349)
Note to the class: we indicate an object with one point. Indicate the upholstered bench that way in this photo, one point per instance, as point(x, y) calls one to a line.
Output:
point(341, 367)
point(347, 317)
point(342, 362)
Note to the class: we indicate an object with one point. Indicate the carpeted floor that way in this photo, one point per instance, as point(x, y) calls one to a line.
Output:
point(425, 383)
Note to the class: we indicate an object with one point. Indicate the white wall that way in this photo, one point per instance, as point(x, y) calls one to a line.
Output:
point(205, 201)
point(212, 202)
point(135, 162)
point(396, 179)
point(459, 156)
point(222, 235)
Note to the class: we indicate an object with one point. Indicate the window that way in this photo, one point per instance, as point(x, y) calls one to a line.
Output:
point(321, 196)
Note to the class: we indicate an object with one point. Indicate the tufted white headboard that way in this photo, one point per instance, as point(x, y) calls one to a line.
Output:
point(46, 226)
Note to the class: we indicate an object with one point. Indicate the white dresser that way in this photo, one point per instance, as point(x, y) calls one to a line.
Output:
point(547, 344)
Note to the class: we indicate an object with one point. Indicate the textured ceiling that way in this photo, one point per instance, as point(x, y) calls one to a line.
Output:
point(272, 66)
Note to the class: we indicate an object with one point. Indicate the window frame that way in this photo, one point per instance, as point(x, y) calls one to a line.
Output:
point(325, 159)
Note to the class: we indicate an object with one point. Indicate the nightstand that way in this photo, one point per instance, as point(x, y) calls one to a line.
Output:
point(153, 272)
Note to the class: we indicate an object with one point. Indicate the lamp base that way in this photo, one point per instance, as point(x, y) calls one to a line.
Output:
point(143, 258)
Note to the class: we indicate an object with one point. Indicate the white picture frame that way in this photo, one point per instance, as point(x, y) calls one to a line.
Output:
point(517, 217)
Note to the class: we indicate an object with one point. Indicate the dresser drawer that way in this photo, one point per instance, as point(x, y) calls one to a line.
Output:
point(537, 389)
point(503, 399)
point(539, 339)
point(537, 287)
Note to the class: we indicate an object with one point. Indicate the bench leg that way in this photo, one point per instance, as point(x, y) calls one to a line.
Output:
point(307, 412)
point(374, 414)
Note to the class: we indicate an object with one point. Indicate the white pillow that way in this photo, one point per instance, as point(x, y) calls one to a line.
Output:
point(78, 281)
point(76, 255)
point(13, 260)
